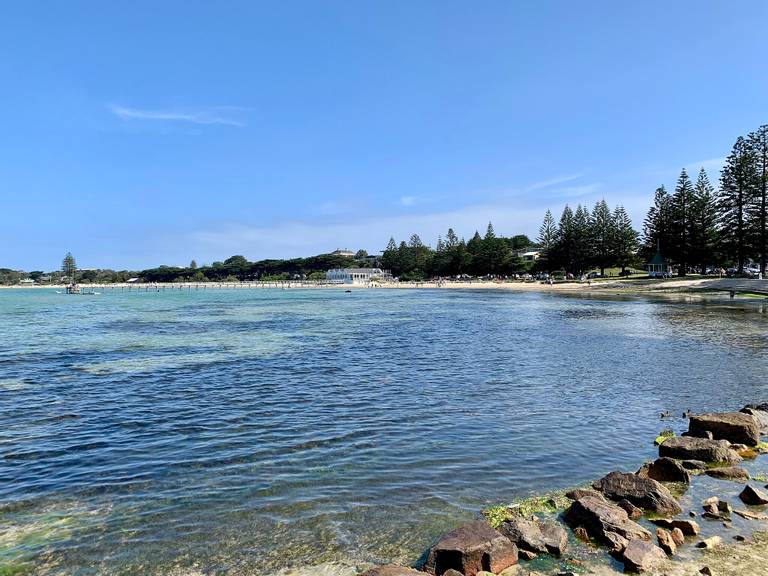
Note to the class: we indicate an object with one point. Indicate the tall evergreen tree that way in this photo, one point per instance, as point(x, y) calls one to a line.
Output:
point(69, 267)
point(547, 232)
point(737, 183)
point(704, 234)
point(682, 222)
point(561, 253)
point(624, 238)
point(657, 225)
point(582, 239)
point(758, 144)
point(601, 236)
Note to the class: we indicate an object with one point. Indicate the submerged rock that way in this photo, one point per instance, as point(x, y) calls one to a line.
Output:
point(471, 549)
point(665, 470)
point(732, 426)
point(693, 464)
point(539, 537)
point(645, 493)
point(392, 570)
point(749, 515)
point(602, 520)
point(641, 556)
point(734, 473)
point(687, 527)
point(753, 496)
point(710, 543)
point(689, 448)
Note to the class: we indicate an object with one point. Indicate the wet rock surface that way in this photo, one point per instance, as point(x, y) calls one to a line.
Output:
point(641, 556)
point(644, 493)
point(690, 448)
point(601, 519)
point(471, 549)
point(535, 536)
point(736, 427)
point(393, 570)
point(734, 473)
point(753, 496)
point(665, 470)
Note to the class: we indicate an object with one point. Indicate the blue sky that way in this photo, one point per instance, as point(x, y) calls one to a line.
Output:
point(141, 133)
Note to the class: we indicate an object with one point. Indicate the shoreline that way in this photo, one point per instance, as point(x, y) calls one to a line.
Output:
point(612, 526)
point(744, 288)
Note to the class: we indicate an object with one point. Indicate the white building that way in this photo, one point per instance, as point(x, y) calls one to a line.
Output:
point(356, 275)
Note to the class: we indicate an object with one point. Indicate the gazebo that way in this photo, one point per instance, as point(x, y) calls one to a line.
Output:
point(657, 267)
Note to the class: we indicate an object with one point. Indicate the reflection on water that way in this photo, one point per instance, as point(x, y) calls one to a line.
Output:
point(250, 432)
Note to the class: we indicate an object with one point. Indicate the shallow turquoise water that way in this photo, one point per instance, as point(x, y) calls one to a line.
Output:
point(242, 432)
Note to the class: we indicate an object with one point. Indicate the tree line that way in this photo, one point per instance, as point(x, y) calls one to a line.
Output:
point(699, 226)
point(453, 256)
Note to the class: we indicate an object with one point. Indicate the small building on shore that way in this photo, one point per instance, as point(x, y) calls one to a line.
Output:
point(356, 275)
point(658, 267)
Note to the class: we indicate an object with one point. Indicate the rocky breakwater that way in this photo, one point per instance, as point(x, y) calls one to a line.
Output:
point(634, 517)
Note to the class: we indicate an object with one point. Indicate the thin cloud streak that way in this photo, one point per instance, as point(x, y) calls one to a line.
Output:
point(203, 117)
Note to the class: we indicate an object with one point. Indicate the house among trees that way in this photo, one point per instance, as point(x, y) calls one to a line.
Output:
point(356, 275)
point(658, 267)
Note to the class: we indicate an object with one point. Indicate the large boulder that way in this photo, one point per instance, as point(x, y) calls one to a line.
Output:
point(760, 413)
point(535, 536)
point(392, 570)
point(735, 427)
point(665, 470)
point(603, 520)
point(645, 493)
point(689, 448)
point(641, 556)
point(735, 473)
point(753, 496)
point(470, 549)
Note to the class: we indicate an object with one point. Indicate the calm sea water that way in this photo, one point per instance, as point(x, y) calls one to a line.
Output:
point(245, 432)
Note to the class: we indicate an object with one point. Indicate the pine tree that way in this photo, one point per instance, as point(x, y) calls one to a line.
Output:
point(624, 238)
point(601, 236)
point(682, 222)
point(737, 183)
point(657, 225)
point(69, 267)
point(451, 240)
point(390, 257)
point(704, 235)
point(582, 245)
point(547, 232)
point(758, 144)
point(561, 253)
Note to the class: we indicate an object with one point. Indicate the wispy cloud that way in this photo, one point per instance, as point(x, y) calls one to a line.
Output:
point(222, 115)
point(556, 181)
point(408, 200)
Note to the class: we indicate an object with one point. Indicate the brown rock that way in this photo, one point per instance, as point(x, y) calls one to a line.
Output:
point(641, 556)
point(749, 515)
point(580, 493)
point(689, 448)
point(678, 537)
point(600, 518)
point(735, 473)
point(706, 570)
point(535, 536)
point(732, 426)
point(693, 464)
point(527, 554)
point(687, 527)
point(645, 493)
point(632, 511)
point(753, 496)
point(581, 533)
point(666, 542)
point(451, 572)
point(393, 570)
point(470, 549)
point(665, 470)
